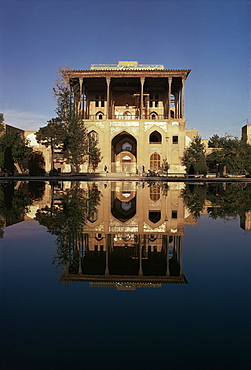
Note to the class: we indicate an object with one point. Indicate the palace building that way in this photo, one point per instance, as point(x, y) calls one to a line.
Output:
point(136, 112)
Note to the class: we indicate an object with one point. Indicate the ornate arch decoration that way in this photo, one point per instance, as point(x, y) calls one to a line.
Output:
point(99, 115)
point(154, 115)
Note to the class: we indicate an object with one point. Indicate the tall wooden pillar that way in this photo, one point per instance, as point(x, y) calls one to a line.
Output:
point(140, 256)
point(169, 97)
point(107, 248)
point(167, 257)
point(183, 99)
point(81, 96)
point(142, 81)
point(176, 112)
point(108, 81)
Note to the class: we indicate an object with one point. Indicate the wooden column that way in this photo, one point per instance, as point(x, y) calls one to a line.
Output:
point(183, 99)
point(169, 97)
point(176, 112)
point(67, 82)
point(79, 265)
point(140, 256)
point(107, 248)
point(108, 80)
point(167, 256)
point(81, 96)
point(180, 253)
point(142, 81)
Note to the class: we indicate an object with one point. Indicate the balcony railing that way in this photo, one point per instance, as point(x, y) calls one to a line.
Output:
point(94, 117)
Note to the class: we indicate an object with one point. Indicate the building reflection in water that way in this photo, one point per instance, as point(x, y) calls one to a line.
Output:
point(133, 239)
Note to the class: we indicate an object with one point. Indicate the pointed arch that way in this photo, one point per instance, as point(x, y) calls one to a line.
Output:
point(155, 137)
point(94, 135)
point(154, 115)
point(99, 115)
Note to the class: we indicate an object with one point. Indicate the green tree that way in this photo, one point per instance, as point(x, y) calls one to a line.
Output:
point(52, 135)
point(36, 164)
point(194, 157)
point(94, 154)
point(14, 149)
point(216, 141)
point(165, 165)
point(76, 142)
point(232, 153)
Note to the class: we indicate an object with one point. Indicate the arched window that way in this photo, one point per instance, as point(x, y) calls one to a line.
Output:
point(99, 115)
point(98, 237)
point(154, 115)
point(154, 216)
point(155, 137)
point(155, 161)
point(92, 216)
point(94, 135)
point(152, 238)
point(155, 192)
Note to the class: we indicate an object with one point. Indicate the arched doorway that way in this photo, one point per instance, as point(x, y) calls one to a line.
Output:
point(124, 153)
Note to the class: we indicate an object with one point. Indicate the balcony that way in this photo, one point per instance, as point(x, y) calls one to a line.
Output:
point(102, 117)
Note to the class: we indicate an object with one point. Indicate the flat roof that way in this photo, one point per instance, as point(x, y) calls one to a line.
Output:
point(127, 65)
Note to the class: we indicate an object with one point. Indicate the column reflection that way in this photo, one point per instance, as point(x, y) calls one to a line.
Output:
point(133, 239)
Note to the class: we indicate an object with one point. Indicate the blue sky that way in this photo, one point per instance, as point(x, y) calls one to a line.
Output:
point(210, 37)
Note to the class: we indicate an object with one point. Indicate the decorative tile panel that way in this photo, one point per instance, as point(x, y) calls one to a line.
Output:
point(148, 228)
point(153, 150)
point(133, 130)
point(150, 124)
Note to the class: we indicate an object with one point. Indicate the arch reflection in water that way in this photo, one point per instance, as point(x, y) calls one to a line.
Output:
point(135, 241)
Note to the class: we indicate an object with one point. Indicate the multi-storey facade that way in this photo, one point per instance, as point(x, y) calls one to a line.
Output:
point(136, 112)
point(134, 238)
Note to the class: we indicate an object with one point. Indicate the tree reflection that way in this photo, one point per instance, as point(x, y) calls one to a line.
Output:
point(14, 204)
point(67, 219)
point(229, 200)
point(223, 200)
point(194, 198)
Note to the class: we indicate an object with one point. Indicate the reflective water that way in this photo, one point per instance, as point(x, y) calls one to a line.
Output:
point(125, 276)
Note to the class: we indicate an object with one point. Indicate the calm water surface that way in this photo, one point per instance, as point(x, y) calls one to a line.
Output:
point(125, 276)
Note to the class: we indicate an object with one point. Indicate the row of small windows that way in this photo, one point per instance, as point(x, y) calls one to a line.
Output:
point(154, 100)
point(99, 100)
